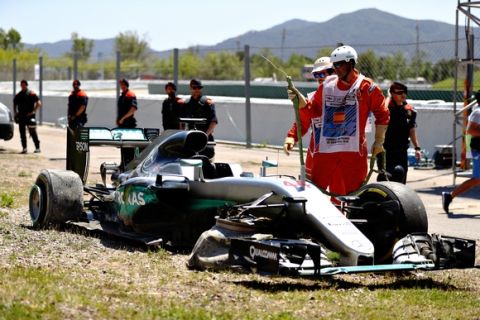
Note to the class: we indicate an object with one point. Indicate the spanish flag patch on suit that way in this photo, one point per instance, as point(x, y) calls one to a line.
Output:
point(338, 117)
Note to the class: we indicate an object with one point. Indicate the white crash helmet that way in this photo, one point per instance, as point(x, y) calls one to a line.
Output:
point(344, 53)
point(321, 64)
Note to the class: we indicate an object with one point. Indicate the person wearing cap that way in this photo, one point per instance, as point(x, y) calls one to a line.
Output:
point(126, 108)
point(77, 106)
point(200, 106)
point(473, 128)
point(337, 113)
point(400, 132)
point(25, 105)
point(171, 107)
point(322, 68)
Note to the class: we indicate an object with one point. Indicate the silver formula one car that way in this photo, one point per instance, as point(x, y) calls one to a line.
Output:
point(170, 195)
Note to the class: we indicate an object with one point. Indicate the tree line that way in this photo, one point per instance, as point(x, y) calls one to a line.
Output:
point(138, 60)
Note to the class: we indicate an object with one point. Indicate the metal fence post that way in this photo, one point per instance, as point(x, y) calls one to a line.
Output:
point(248, 115)
point(75, 65)
point(175, 66)
point(117, 76)
point(14, 71)
point(40, 86)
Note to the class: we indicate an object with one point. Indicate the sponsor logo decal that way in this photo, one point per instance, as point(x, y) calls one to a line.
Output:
point(132, 198)
point(81, 146)
point(262, 253)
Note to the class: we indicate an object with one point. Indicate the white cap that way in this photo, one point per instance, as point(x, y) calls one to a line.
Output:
point(321, 64)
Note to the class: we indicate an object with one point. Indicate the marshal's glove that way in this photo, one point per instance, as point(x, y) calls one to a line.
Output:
point(377, 146)
point(288, 145)
point(294, 93)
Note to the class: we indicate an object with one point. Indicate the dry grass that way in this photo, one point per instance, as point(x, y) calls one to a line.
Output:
point(69, 273)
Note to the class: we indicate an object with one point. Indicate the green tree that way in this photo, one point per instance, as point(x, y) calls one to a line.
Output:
point(14, 39)
point(3, 39)
point(418, 65)
point(393, 67)
point(368, 64)
point(261, 67)
point(294, 65)
point(221, 66)
point(189, 65)
point(443, 69)
point(10, 39)
point(324, 52)
point(81, 47)
point(131, 46)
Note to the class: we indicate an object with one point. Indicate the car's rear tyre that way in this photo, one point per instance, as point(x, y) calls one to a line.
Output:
point(56, 197)
point(387, 224)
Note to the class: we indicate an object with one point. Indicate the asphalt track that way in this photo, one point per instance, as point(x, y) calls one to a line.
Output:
point(463, 221)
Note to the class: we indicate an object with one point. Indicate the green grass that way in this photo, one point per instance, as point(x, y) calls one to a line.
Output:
point(24, 174)
point(6, 200)
point(65, 273)
point(38, 292)
point(447, 84)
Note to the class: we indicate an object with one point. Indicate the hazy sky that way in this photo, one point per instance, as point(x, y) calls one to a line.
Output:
point(183, 23)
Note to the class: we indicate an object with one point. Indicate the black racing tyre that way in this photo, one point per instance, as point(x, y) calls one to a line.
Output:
point(392, 210)
point(55, 198)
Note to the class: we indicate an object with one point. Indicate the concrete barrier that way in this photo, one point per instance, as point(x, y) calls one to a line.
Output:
point(271, 118)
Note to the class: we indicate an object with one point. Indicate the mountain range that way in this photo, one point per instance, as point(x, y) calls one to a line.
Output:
point(364, 29)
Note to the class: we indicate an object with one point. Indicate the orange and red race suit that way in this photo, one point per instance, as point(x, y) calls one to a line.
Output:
point(342, 172)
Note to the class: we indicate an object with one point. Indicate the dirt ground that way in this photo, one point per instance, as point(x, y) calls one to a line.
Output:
point(103, 276)
point(464, 221)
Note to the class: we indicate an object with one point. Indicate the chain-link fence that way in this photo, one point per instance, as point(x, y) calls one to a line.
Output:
point(428, 68)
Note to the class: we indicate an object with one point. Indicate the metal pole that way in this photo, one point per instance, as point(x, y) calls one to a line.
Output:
point(248, 114)
point(455, 88)
point(14, 71)
point(175, 66)
point(75, 65)
point(117, 75)
point(40, 87)
point(468, 92)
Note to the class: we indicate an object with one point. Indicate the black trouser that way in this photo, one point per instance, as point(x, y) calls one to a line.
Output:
point(397, 158)
point(32, 129)
point(127, 154)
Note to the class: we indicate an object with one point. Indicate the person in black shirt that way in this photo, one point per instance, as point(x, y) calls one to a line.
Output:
point(400, 132)
point(171, 108)
point(25, 104)
point(126, 108)
point(200, 106)
point(77, 106)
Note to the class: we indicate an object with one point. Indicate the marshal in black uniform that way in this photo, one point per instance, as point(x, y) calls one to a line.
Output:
point(25, 104)
point(172, 107)
point(401, 130)
point(126, 108)
point(77, 106)
point(200, 106)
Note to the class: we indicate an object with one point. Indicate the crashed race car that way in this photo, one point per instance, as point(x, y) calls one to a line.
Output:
point(171, 195)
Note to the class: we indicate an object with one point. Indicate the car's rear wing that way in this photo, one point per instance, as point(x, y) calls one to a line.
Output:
point(80, 140)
